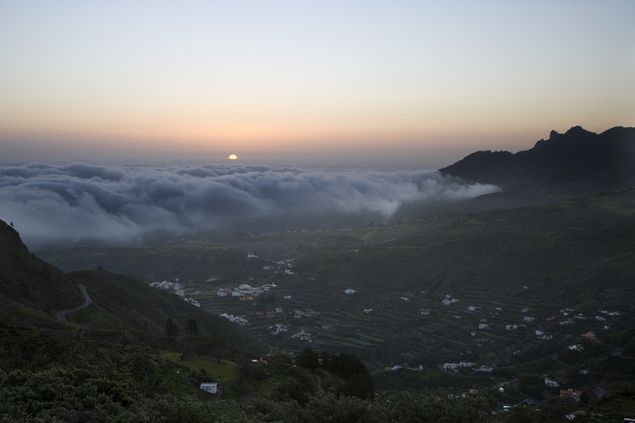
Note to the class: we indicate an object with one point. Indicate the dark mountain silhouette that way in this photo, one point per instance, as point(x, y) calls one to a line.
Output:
point(30, 282)
point(577, 156)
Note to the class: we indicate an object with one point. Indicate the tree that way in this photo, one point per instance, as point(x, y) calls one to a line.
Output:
point(171, 329)
point(251, 371)
point(191, 328)
point(308, 359)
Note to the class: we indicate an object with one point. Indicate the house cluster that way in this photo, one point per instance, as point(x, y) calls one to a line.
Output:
point(571, 394)
point(309, 312)
point(542, 335)
point(278, 328)
point(192, 301)
point(483, 325)
point(463, 365)
point(261, 360)
point(240, 321)
point(448, 300)
point(396, 367)
point(302, 336)
point(393, 368)
point(455, 367)
point(603, 315)
point(246, 290)
point(269, 314)
point(287, 265)
point(483, 369)
point(176, 288)
point(575, 347)
point(576, 395)
point(551, 383)
point(610, 313)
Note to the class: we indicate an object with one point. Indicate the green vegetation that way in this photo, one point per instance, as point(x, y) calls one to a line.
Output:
point(68, 377)
point(222, 370)
point(528, 282)
point(191, 328)
point(171, 329)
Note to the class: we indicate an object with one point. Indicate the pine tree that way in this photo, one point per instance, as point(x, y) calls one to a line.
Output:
point(191, 328)
point(171, 329)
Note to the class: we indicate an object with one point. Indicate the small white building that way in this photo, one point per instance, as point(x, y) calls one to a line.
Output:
point(210, 388)
point(551, 383)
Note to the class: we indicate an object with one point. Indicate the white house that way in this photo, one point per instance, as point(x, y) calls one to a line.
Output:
point(551, 383)
point(210, 388)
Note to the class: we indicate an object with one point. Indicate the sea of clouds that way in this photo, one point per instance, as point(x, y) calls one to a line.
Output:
point(114, 203)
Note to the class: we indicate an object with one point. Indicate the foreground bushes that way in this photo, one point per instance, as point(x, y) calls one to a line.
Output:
point(79, 395)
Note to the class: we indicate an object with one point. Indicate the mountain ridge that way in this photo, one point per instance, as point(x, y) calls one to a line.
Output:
point(575, 156)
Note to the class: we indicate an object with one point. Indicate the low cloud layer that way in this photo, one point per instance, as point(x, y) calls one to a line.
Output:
point(85, 202)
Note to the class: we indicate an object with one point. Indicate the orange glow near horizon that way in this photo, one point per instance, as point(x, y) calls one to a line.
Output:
point(320, 77)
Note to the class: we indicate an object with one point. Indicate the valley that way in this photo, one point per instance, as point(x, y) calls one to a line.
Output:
point(414, 296)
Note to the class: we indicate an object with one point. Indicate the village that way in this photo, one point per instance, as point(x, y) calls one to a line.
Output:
point(473, 341)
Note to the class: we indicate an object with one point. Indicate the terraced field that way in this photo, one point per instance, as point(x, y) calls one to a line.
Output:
point(525, 267)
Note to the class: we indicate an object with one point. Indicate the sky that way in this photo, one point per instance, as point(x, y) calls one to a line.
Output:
point(395, 83)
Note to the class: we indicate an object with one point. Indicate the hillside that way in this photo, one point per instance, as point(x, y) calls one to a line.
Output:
point(28, 285)
point(577, 156)
point(124, 303)
point(35, 292)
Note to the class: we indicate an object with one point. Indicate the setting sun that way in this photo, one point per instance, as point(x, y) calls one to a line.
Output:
point(232, 157)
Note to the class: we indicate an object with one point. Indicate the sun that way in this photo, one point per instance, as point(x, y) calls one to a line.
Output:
point(232, 156)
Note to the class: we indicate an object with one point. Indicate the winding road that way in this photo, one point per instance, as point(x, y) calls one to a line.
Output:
point(61, 315)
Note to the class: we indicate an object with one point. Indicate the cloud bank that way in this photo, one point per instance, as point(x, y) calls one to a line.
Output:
point(86, 202)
